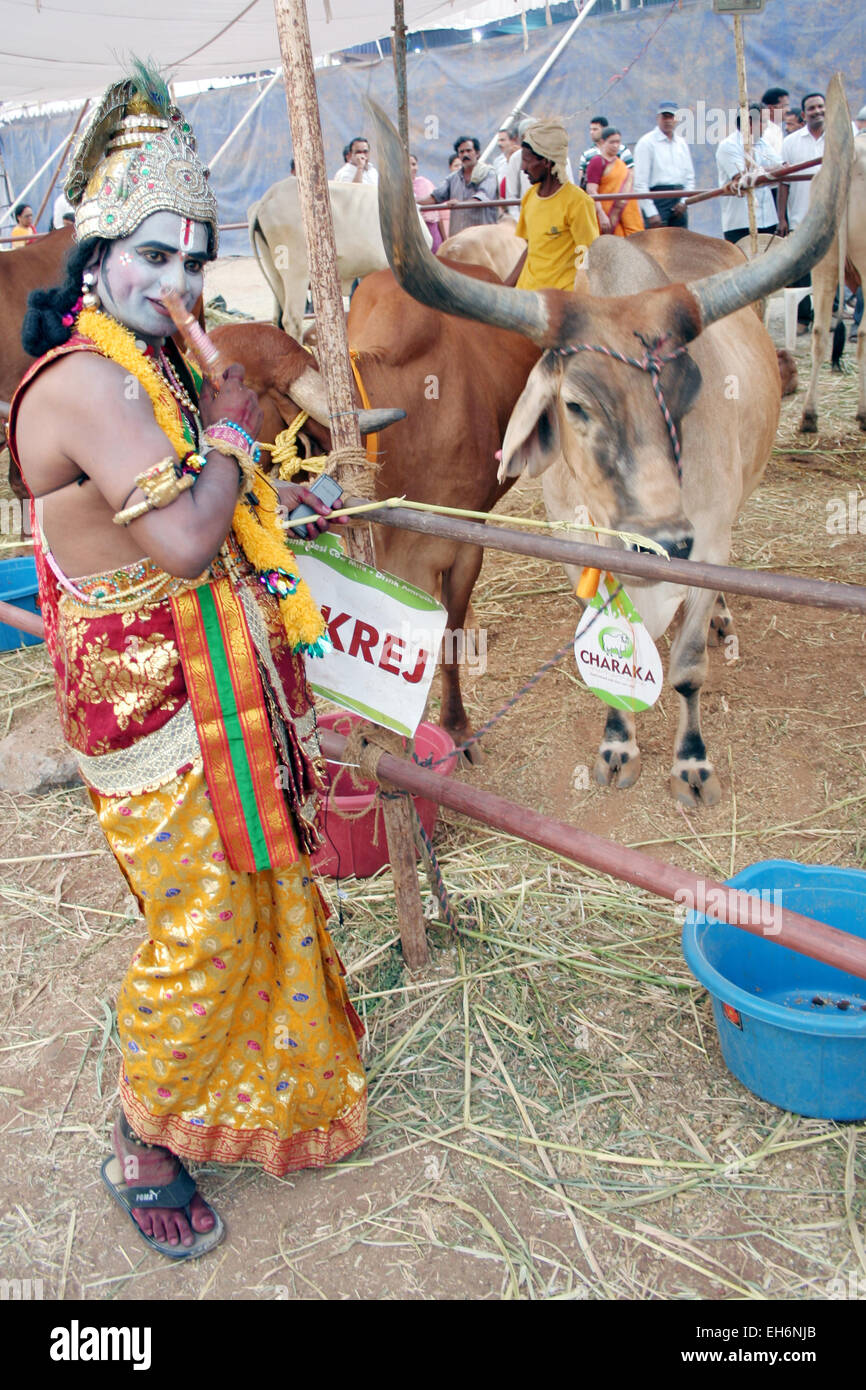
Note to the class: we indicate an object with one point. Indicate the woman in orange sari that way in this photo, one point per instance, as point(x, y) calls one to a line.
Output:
point(606, 173)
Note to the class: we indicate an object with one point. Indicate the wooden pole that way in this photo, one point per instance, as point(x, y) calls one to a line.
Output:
point(745, 125)
point(398, 50)
point(72, 134)
point(810, 938)
point(333, 353)
point(766, 584)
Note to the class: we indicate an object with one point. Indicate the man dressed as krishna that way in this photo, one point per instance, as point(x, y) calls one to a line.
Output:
point(178, 627)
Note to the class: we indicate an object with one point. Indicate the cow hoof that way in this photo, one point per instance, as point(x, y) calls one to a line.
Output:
point(721, 627)
point(809, 422)
point(617, 765)
point(861, 421)
point(695, 784)
point(473, 754)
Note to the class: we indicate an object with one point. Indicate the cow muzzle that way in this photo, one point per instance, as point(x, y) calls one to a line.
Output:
point(676, 541)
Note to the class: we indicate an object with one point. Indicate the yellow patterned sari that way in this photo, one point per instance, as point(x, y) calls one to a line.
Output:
point(195, 733)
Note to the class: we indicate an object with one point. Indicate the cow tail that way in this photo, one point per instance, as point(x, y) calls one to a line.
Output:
point(839, 335)
point(276, 290)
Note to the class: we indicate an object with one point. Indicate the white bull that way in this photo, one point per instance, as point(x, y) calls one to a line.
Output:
point(277, 236)
point(849, 245)
point(493, 245)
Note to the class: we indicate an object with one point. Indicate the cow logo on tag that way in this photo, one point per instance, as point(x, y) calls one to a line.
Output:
point(615, 654)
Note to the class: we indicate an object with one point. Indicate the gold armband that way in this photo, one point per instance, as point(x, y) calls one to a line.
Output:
point(162, 484)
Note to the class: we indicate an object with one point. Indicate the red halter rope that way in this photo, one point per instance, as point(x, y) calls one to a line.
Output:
point(653, 362)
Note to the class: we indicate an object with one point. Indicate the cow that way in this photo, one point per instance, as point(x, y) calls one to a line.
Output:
point(458, 383)
point(277, 237)
point(40, 264)
point(847, 252)
point(653, 407)
point(493, 245)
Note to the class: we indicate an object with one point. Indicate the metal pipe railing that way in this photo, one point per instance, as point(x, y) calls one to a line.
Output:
point(802, 934)
point(780, 588)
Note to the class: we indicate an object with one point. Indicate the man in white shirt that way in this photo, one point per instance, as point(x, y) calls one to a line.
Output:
point(357, 168)
point(775, 102)
point(804, 144)
point(508, 140)
point(860, 121)
point(731, 160)
point(662, 160)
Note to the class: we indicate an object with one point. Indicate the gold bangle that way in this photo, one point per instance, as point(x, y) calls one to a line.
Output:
point(162, 484)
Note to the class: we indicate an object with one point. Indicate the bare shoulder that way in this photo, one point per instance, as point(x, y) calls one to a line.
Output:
point(80, 395)
point(75, 374)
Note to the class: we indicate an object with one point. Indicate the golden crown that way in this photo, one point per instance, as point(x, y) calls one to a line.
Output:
point(136, 157)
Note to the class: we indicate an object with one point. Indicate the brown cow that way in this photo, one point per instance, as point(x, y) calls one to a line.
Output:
point(458, 383)
point(37, 267)
point(675, 470)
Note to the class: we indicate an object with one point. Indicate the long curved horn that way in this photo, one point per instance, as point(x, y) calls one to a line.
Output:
point(729, 290)
point(424, 276)
point(308, 391)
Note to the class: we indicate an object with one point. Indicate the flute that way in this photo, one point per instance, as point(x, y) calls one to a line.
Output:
point(201, 348)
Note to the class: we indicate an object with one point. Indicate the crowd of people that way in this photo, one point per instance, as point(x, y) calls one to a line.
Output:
point(560, 217)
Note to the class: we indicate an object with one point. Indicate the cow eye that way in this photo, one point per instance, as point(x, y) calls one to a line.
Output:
point(577, 409)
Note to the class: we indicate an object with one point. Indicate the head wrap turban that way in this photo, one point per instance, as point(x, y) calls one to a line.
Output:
point(549, 140)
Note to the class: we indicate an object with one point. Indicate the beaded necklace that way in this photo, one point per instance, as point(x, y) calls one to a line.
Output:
point(255, 521)
point(174, 383)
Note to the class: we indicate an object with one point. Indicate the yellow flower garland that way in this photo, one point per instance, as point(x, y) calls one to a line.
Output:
point(257, 528)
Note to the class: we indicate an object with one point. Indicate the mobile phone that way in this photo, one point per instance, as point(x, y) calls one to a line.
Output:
point(327, 490)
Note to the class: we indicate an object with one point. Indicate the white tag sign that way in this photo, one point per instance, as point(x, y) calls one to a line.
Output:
point(615, 654)
point(386, 636)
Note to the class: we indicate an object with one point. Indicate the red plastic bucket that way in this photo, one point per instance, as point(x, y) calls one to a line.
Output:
point(349, 849)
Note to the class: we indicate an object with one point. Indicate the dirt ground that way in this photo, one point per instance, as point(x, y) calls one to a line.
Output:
point(550, 1113)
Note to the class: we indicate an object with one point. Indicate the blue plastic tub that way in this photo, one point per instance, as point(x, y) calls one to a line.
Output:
point(791, 1029)
point(18, 585)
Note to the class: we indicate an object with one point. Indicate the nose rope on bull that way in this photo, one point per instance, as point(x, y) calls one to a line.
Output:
point(652, 362)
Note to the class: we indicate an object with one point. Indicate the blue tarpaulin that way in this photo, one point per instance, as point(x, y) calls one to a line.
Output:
point(619, 64)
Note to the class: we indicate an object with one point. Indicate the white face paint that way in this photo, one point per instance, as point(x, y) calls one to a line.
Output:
point(165, 252)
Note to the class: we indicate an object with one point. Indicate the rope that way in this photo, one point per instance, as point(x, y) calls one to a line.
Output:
point(524, 690)
point(284, 451)
point(652, 362)
point(434, 873)
point(422, 839)
point(357, 473)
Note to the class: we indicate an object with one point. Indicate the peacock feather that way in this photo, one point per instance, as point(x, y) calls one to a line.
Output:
point(149, 85)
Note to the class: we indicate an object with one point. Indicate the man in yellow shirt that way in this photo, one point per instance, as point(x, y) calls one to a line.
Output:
point(557, 219)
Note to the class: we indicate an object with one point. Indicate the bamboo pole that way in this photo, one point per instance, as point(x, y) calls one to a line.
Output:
point(21, 197)
point(72, 135)
point(241, 123)
point(398, 51)
point(541, 74)
point(745, 125)
point(333, 353)
point(802, 934)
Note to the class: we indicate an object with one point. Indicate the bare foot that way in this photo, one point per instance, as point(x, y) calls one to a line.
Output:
point(156, 1166)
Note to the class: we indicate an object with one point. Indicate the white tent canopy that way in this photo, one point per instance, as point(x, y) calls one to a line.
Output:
point(53, 50)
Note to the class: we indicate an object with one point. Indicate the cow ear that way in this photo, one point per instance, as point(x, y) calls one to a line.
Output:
point(681, 382)
point(532, 441)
